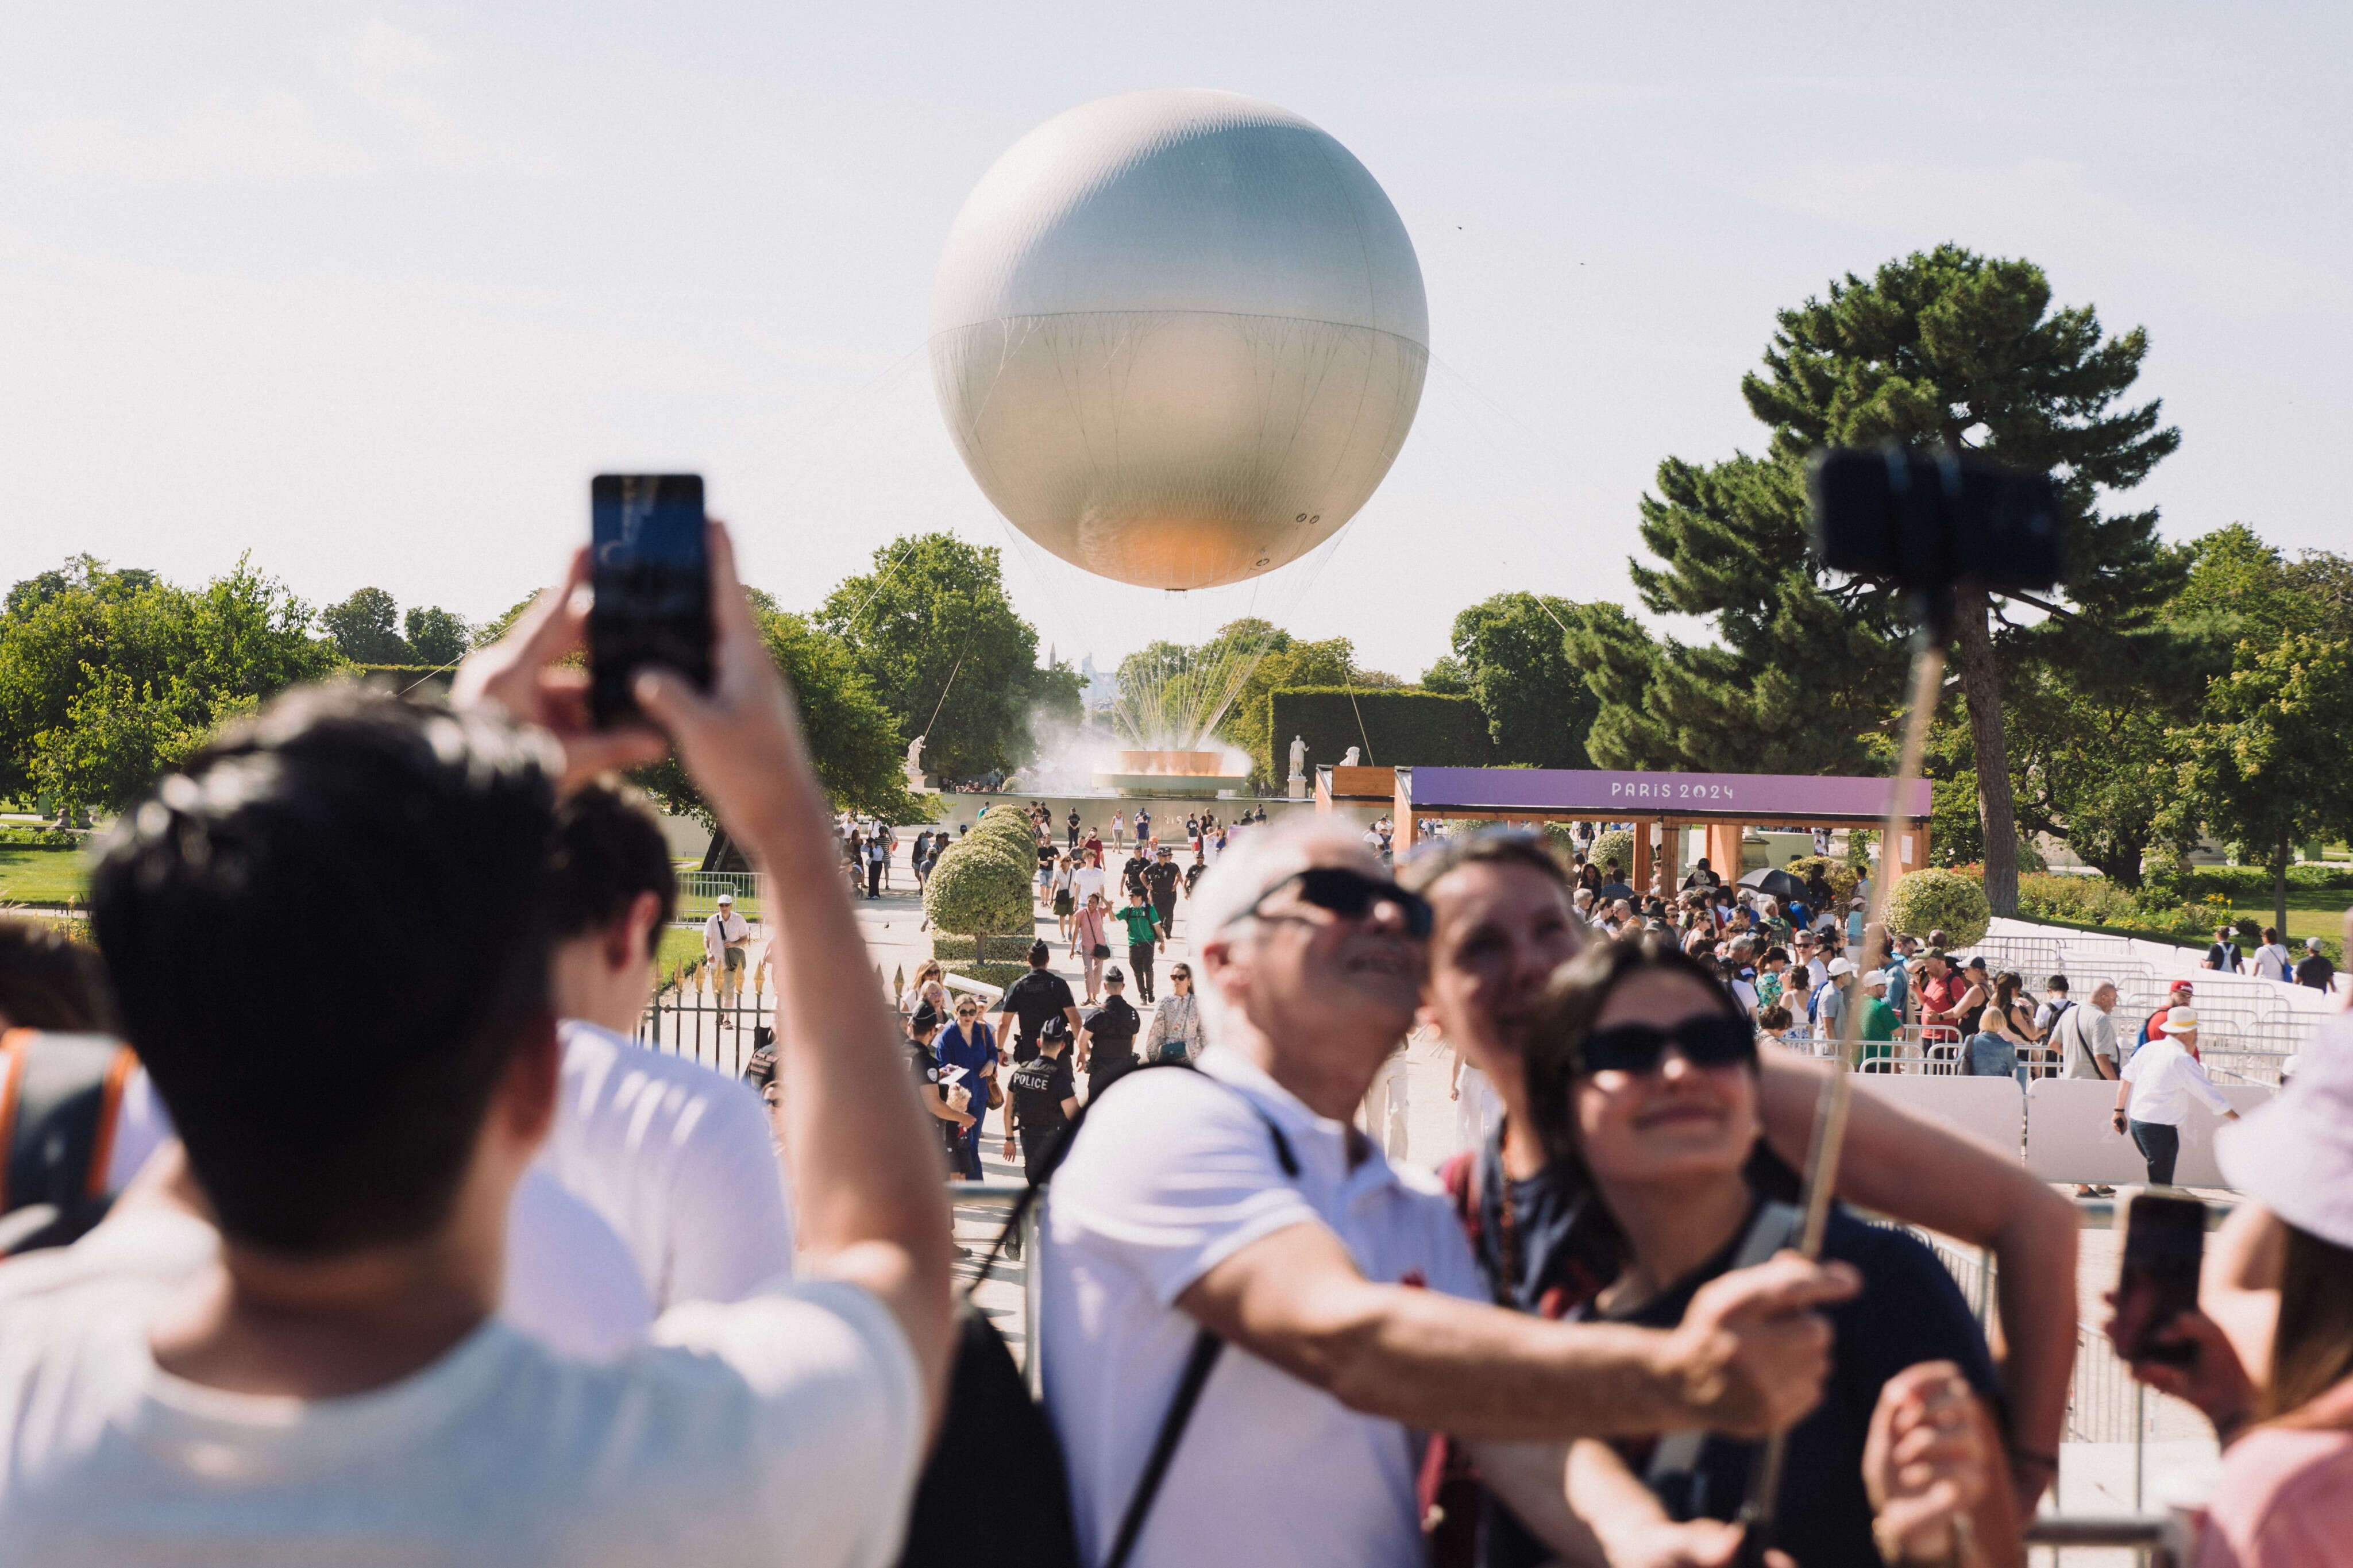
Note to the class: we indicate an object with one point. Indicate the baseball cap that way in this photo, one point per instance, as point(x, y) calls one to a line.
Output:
point(926, 1016)
point(2184, 987)
point(1840, 967)
point(2180, 1020)
point(2295, 1155)
point(1873, 980)
point(726, 898)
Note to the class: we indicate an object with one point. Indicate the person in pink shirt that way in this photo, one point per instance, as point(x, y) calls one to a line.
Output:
point(2273, 1367)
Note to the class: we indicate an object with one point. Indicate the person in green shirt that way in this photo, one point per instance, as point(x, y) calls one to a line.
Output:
point(1144, 935)
point(1878, 1024)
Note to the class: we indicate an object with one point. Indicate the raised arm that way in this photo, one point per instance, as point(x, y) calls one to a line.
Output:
point(1926, 1174)
point(867, 1173)
point(1749, 1358)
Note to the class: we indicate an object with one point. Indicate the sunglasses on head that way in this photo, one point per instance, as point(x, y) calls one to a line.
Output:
point(1708, 1040)
point(1349, 894)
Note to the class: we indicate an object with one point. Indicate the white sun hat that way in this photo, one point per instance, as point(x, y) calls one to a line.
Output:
point(2294, 1155)
point(2180, 1021)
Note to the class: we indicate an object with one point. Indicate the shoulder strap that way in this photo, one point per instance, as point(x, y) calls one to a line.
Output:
point(1198, 1364)
point(1677, 1453)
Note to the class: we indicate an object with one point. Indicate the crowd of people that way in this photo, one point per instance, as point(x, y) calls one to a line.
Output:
point(298, 1334)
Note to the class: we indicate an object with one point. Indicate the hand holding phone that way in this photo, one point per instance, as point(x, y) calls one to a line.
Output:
point(651, 578)
point(2164, 1246)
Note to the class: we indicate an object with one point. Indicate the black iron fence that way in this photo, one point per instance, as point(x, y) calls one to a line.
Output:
point(717, 1028)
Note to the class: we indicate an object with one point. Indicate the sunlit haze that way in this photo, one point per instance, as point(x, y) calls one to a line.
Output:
point(370, 293)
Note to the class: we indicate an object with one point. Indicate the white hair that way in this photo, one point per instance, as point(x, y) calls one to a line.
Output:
point(1253, 862)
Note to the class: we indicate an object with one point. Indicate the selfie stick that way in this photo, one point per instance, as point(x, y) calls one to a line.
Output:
point(1829, 1120)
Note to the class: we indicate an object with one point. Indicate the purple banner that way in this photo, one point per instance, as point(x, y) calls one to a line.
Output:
point(1746, 797)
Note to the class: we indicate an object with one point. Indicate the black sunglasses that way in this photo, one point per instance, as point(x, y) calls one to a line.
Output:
point(1349, 894)
point(1708, 1040)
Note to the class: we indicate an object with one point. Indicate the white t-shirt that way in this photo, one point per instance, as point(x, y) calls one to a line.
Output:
point(1174, 1175)
point(677, 1160)
point(1086, 880)
point(2272, 963)
point(783, 1429)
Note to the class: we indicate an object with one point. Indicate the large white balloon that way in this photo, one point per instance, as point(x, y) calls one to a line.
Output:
point(1178, 336)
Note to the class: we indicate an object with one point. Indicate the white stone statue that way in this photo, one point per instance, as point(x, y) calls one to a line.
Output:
point(914, 767)
point(1297, 784)
point(1349, 760)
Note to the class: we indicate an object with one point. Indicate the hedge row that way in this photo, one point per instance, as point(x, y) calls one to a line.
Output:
point(1389, 727)
point(2253, 884)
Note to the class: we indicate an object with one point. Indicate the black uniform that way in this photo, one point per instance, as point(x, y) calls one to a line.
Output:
point(1112, 1029)
point(1131, 876)
point(1074, 829)
point(1160, 880)
point(1036, 1093)
point(925, 1065)
point(1035, 997)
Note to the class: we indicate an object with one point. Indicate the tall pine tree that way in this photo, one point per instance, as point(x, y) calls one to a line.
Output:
point(1943, 347)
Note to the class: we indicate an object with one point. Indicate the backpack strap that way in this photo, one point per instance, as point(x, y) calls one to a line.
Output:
point(1677, 1453)
point(1199, 1362)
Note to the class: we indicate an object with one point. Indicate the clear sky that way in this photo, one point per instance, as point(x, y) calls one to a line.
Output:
point(370, 291)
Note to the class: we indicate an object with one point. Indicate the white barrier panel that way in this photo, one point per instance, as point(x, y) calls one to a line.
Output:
point(2071, 1136)
point(1990, 1108)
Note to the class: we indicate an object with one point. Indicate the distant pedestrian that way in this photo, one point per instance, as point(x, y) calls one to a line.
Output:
point(1091, 941)
point(1162, 883)
point(969, 1045)
point(1107, 1042)
point(1177, 1031)
point(1042, 1097)
point(877, 857)
point(2315, 970)
point(2224, 954)
point(1074, 825)
point(727, 948)
point(2272, 960)
point(2154, 1095)
point(1143, 940)
point(1066, 906)
point(1118, 831)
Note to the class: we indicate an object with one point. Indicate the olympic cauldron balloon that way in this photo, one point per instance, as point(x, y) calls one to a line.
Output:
point(1178, 336)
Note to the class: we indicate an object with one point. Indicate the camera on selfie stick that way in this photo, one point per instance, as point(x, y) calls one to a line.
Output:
point(1935, 522)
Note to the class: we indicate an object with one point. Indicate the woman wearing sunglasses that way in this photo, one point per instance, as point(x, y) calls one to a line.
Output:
point(969, 1043)
point(1503, 926)
point(1642, 1074)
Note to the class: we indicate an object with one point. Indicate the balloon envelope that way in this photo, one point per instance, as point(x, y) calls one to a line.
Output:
point(1178, 336)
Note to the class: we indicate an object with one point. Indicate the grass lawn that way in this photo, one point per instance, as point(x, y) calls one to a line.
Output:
point(2311, 911)
point(681, 945)
point(42, 876)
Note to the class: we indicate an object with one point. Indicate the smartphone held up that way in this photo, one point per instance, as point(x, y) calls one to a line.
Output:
point(2164, 1248)
point(651, 577)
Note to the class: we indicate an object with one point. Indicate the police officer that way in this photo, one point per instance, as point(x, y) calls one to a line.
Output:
point(1043, 1097)
point(1107, 1043)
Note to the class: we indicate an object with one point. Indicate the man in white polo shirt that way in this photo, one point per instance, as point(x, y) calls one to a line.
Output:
point(1240, 1200)
point(2161, 1080)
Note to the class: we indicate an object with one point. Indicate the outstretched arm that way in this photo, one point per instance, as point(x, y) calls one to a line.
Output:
point(1749, 1358)
point(1922, 1172)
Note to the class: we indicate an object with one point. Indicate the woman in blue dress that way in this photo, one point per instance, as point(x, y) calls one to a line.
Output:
point(970, 1044)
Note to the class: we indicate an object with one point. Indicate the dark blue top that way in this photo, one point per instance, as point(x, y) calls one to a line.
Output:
point(1909, 1311)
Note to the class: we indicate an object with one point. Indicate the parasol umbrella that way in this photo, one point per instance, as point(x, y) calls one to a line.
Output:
point(1774, 884)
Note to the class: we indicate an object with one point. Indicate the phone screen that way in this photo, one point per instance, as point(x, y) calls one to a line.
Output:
point(2165, 1243)
point(652, 579)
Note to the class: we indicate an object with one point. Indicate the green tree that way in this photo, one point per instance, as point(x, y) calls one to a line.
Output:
point(1448, 675)
point(436, 637)
point(1939, 348)
point(852, 739)
point(1515, 648)
point(2265, 768)
point(1250, 723)
point(365, 629)
point(936, 636)
point(110, 678)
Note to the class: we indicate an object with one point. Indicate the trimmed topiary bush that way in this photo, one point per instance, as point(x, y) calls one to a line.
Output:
point(979, 888)
point(1615, 845)
point(1930, 900)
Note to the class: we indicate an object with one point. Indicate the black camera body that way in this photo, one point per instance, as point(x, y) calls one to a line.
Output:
point(1932, 521)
